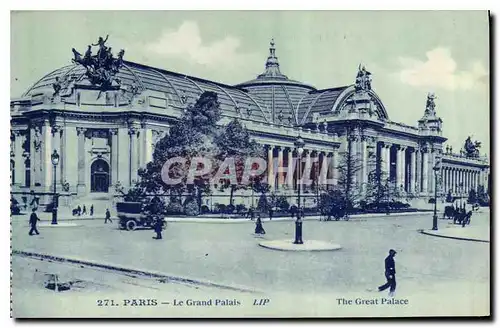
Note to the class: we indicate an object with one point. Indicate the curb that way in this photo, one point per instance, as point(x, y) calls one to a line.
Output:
point(424, 232)
point(139, 272)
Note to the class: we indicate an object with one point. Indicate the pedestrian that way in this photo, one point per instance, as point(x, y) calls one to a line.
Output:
point(390, 273)
point(92, 210)
point(259, 229)
point(79, 210)
point(107, 217)
point(158, 227)
point(33, 221)
point(84, 212)
point(271, 212)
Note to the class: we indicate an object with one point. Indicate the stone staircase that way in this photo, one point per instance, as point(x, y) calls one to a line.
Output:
point(100, 201)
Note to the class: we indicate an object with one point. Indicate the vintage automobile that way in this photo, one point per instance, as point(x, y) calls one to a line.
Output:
point(133, 215)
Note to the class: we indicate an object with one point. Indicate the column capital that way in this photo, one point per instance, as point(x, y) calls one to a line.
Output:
point(80, 130)
point(17, 133)
point(401, 147)
point(113, 131)
point(56, 128)
point(133, 130)
point(385, 144)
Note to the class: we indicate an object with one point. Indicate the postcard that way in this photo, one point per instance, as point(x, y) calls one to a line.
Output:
point(246, 164)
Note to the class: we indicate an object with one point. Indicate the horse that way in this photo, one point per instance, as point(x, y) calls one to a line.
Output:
point(449, 212)
point(466, 219)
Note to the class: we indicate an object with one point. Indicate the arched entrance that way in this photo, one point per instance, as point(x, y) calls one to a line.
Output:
point(99, 176)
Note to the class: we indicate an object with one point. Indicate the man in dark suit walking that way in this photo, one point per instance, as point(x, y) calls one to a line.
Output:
point(390, 273)
point(108, 216)
point(33, 221)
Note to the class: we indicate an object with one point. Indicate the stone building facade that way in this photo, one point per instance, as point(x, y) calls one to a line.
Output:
point(104, 135)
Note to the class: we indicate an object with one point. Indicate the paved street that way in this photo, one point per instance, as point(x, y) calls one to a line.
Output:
point(229, 253)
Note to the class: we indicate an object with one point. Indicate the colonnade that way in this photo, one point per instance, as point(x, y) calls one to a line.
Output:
point(317, 167)
point(458, 180)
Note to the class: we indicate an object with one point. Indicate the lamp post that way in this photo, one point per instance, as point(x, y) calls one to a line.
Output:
point(55, 160)
point(436, 169)
point(299, 144)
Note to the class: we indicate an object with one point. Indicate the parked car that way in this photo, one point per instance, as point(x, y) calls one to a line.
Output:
point(132, 215)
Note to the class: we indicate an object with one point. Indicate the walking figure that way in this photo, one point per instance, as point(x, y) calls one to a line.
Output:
point(158, 227)
point(271, 212)
point(259, 229)
point(92, 210)
point(84, 212)
point(79, 210)
point(390, 273)
point(108, 216)
point(33, 220)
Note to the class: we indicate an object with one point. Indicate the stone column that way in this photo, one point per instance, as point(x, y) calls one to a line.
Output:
point(413, 170)
point(430, 172)
point(455, 180)
point(399, 166)
point(324, 169)
point(353, 155)
point(306, 176)
point(82, 160)
point(289, 174)
point(334, 166)
point(270, 168)
point(425, 170)
point(34, 164)
point(280, 165)
point(46, 152)
point(56, 145)
point(19, 168)
point(134, 155)
point(147, 146)
point(385, 152)
point(364, 163)
point(475, 180)
point(418, 171)
point(114, 156)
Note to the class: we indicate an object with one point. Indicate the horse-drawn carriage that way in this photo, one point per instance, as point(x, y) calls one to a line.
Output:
point(459, 215)
point(335, 212)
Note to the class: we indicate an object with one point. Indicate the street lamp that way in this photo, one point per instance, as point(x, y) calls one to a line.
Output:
point(55, 160)
point(436, 169)
point(299, 144)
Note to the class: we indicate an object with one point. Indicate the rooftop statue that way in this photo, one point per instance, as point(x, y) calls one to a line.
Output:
point(430, 105)
point(363, 79)
point(101, 68)
point(471, 149)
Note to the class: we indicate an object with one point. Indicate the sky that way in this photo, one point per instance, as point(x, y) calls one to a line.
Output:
point(409, 53)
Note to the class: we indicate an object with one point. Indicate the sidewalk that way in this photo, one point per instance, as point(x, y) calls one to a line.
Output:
point(456, 231)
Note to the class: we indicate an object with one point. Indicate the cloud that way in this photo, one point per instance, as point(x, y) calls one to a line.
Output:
point(186, 43)
point(440, 71)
